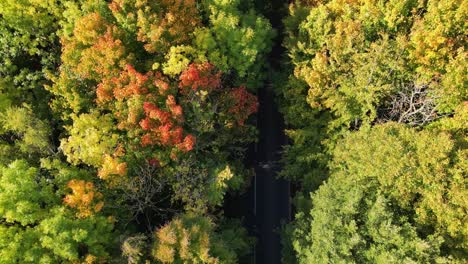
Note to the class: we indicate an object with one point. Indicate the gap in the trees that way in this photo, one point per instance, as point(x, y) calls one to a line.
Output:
point(265, 206)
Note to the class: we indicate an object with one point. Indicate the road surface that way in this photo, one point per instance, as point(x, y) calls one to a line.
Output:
point(272, 194)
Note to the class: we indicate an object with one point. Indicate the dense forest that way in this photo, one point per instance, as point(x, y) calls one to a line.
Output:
point(125, 124)
point(376, 107)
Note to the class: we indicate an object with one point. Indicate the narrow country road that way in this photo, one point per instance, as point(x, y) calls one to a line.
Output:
point(272, 195)
point(266, 205)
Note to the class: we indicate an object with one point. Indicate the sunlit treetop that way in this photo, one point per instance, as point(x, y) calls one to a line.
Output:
point(194, 239)
point(357, 55)
point(159, 25)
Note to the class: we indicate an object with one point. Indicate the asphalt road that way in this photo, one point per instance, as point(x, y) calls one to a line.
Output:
point(272, 205)
point(272, 195)
point(266, 205)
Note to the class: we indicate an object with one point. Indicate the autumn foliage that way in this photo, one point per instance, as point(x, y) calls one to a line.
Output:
point(190, 238)
point(244, 104)
point(147, 104)
point(200, 76)
point(158, 25)
point(143, 106)
point(84, 198)
point(102, 51)
point(375, 106)
point(126, 115)
point(112, 170)
point(127, 83)
point(155, 119)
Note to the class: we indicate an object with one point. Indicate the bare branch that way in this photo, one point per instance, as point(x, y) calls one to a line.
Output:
point(413, 105)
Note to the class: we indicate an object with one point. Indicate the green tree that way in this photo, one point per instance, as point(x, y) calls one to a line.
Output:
point(235, 39)
point(23, 135)
point(91, 137)
point(37, 228)
point(359, 63)
point(355, 65)
point(29, 50)
point(394, 196)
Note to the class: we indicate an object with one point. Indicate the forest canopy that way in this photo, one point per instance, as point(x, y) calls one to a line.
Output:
point(123, 125)
point(126, 124)
point(375, 105)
